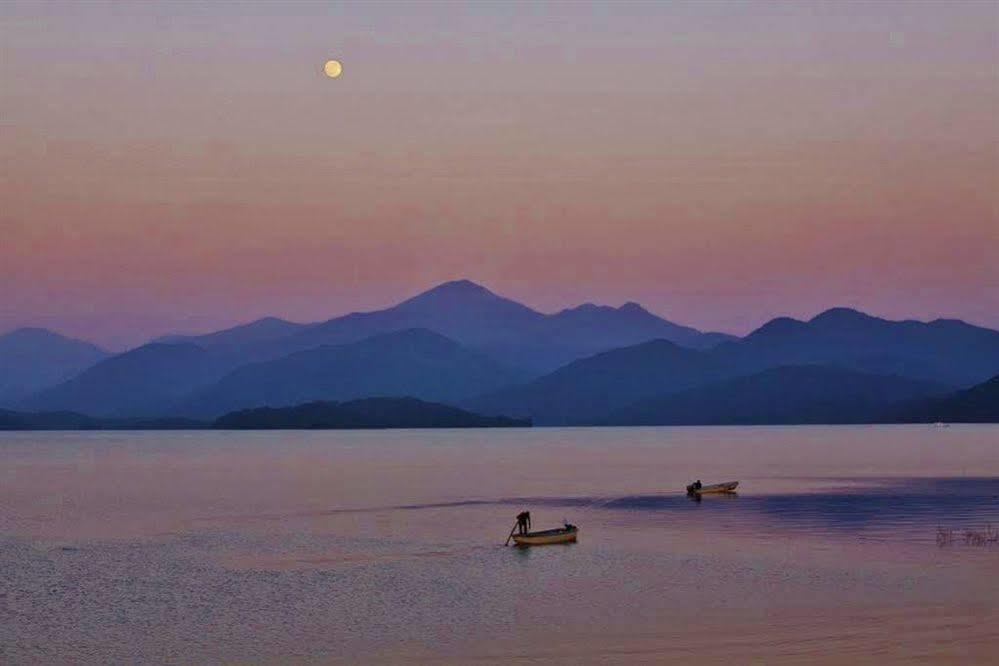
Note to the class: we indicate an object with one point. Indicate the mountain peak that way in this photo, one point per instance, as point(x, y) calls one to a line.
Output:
point(633, 308)
point(777, 326)
point(463, 295)
point(33, 335)
point(844, 317)
point(462, 286)
point(840, 315)
point(269, 323)
point(630, 307)
point(833, 318)
point(32, 332)
point(584, 308)
point(453, 292)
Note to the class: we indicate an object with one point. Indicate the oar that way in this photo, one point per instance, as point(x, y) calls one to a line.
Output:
point(507, 543)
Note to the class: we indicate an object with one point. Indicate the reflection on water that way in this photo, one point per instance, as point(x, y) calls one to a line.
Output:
point(388, 546)
point(886, 504)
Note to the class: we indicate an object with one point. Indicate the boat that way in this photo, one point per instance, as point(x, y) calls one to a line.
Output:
point(727, 487)
point(565, 534)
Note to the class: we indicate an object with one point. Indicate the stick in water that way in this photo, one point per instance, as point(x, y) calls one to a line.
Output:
point(507, 543)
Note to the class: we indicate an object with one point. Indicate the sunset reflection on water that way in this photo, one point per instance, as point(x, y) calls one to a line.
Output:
point(388, 545)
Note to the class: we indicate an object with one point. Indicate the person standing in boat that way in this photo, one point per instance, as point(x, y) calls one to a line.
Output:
point(524, 522)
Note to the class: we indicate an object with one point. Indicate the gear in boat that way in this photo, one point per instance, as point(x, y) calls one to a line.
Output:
point(524, 537)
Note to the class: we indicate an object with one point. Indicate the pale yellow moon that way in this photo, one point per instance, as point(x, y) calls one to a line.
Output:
point(333, 68)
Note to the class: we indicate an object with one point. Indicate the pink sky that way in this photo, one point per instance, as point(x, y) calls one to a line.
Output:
point(175, 167)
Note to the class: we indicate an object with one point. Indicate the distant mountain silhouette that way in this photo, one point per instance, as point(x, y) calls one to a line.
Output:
point(519, 342)
point(469, 314)
point(354, 414)
point(32, 359)
point(592, 388)
point(236, 337)
point(783, 395)
point(460, 343)
point(10, 420)
point(978, 404)
point(944, 350)
point(149, 379)
point(414, 362)
point(506, 330)
point(948, 353)
point(603, 328)
point(140, 382)
point(363, 413)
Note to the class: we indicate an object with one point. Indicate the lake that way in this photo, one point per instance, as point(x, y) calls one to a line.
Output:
point(386, 546)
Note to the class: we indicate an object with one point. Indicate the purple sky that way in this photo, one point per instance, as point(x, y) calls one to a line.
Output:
point(182, 167)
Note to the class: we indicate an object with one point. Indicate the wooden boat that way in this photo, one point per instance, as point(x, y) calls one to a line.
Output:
point(727, 487)
point(565, 534)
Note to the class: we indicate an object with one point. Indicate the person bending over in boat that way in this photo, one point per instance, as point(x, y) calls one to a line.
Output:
point(524, 522)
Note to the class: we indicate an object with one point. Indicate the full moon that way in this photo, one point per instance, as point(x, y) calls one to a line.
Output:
point(333, 68)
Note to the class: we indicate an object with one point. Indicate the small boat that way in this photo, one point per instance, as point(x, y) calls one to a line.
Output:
point(565, 534)
point(727, 487)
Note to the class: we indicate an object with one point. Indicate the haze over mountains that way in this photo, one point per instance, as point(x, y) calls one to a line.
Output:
point(143, 381)
point(944, 354)
point(470, 314)
point(944, 350)
point(33, 358)
point(413, 362)
point(463, 345)
point(516, 341)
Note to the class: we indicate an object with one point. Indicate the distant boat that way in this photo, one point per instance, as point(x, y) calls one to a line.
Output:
point(565, 534)
point(727, 487)
point(941, 424)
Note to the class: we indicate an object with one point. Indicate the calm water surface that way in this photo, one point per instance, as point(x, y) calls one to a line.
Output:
point(385, 546)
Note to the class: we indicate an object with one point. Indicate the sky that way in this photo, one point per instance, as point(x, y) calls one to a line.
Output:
point(180, 166)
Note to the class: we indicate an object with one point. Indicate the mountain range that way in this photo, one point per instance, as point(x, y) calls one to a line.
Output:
point(468, 313)
point(366, 413)
point(34, 358)
point(143, 381)
point(942, 354)
point(518, 341)
point(414, 362)
point(944, 350)
point(465, 346)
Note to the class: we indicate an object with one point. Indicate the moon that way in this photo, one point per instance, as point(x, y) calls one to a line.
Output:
point(333, 68)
